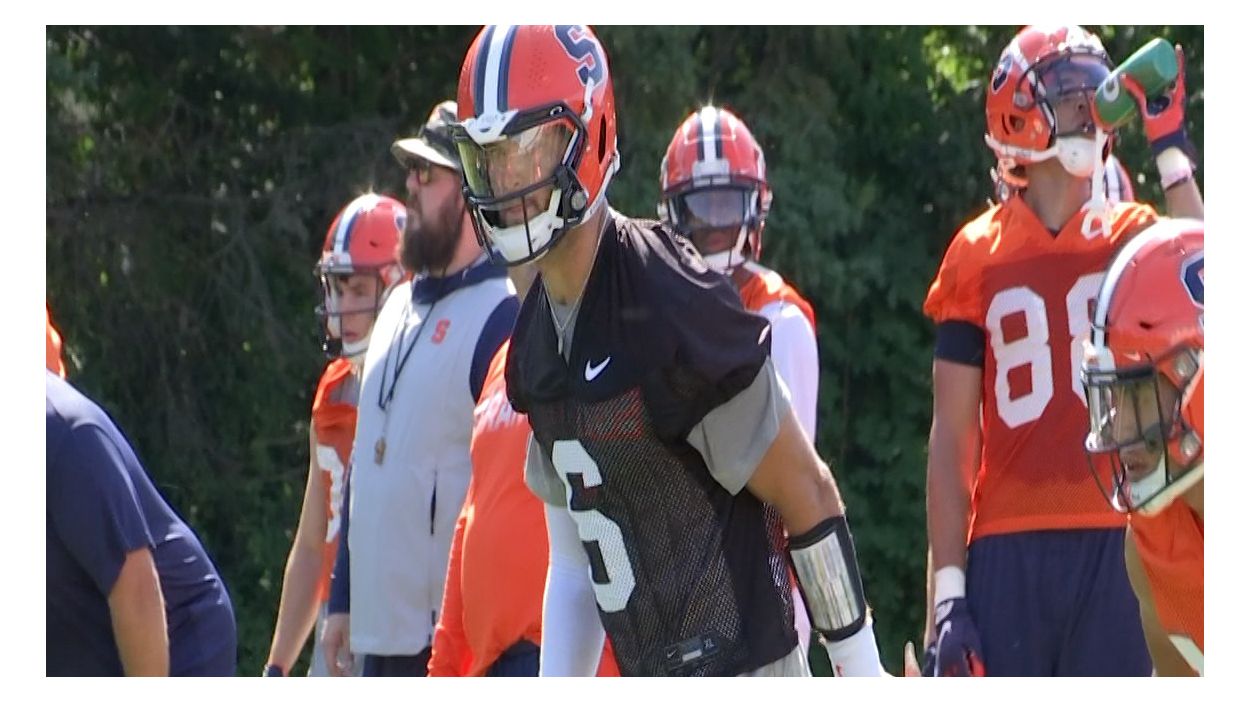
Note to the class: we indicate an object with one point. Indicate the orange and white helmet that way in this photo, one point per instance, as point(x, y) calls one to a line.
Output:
point(363, 238)
point(536, 112)
point(1146, 438)
point(713, 179)
point(1039, 68)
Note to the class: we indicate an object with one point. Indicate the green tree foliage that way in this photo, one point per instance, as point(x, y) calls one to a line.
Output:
point(192, 173)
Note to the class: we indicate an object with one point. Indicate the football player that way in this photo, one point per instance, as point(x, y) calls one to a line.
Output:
point(358, 268)
point(1143, 379)
point(1025, 554)
point(714, 190)
point(668, 456)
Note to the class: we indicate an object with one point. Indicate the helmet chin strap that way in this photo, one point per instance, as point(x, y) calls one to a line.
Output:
point(1098, 208)
point(723, 261)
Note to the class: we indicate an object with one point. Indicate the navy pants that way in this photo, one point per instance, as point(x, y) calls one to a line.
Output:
point(521, 659)
point(397, 665)
point(1056, 603)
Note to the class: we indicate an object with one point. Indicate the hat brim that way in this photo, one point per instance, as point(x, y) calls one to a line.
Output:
point(415, 146)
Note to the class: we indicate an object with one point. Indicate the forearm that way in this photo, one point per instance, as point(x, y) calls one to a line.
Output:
point(1185, 200)
point(297, 609)
point(572, 633)
point(137, 610)
point(952, 457)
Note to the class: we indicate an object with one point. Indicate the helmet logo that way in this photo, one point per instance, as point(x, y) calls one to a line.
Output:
point(1000, 73)
point(581, 46)
point(1193, 278)
point(401, 220)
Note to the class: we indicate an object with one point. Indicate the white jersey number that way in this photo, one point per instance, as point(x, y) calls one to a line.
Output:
point(1033, 349)
point(328, 459)
point(571, 459)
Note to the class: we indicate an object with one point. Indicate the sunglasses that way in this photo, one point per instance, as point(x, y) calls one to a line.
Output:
point(424, 170)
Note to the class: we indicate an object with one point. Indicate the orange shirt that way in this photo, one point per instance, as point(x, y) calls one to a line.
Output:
point(1171, 547)
point(1030, 292)
point(766, 286)
point(55, 363)
point(334, 420)
point(497, 569)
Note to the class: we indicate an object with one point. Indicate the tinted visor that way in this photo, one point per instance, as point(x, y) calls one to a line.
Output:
point(516, 164)
point(711, 209)
point(1067, 85)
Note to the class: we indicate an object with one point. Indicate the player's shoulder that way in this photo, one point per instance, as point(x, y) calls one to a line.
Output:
point(660, 266)
point(334, 378)
point(1130, 218)
point(977, 239)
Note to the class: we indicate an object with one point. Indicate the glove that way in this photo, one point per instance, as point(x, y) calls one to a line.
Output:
point(1164, 116)
point(957, 647)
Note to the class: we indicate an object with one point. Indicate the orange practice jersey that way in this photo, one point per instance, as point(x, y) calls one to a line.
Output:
point(1031, 293)
point(334, 420)
point(55, 363)
point(1170, 546)
point(766, 286)
point(498, 563)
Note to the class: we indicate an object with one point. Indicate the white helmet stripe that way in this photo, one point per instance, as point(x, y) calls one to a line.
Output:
point(494, 60)
point(1159, 230)
point(707, 133)
point(343, 233)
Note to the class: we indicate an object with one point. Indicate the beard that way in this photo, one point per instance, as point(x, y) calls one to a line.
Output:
point(430, 240)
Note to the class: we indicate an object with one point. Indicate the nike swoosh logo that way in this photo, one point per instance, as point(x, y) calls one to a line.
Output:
point(592, 372)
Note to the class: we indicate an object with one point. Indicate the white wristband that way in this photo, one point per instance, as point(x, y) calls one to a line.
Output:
point(1174, 167)
point(948, 582)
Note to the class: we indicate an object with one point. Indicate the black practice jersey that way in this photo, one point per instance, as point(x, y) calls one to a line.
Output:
point(689, 578)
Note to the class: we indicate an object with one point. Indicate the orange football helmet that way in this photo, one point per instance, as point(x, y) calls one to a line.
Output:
point(363, 238)
point(713, 179)
point(537, 116)
point(1039, 69)
point(1143, 370)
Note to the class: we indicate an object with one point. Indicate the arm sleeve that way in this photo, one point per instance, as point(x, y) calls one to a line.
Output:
point(498, 328)
point(954, 293)
point(960, 342)
point(340, 579)
point(731, 452)
point(797, 362)
point(93, 504)
point(572, 633)
point(541, 476)
point(451, 655)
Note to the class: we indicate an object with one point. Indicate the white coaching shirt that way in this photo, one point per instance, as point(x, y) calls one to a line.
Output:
point(403, 511)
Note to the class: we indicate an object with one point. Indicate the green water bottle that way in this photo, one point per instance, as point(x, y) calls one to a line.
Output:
point(1154, 67)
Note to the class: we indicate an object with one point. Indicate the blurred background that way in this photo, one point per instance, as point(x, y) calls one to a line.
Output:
point(192, 173)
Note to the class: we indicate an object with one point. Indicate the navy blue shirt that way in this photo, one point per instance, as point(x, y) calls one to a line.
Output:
point(101, 506)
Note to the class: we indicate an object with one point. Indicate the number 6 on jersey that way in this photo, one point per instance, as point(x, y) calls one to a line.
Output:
point(578, 470)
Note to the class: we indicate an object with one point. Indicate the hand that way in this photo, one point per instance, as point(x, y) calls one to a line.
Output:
point(958, 646)
point(1164, 116)
point(336, 644)
point(910, 667)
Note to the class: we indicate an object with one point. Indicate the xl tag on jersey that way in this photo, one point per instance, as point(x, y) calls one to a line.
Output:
point(690, 653)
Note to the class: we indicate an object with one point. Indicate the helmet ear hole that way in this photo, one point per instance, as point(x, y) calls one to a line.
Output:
point(1014, 123)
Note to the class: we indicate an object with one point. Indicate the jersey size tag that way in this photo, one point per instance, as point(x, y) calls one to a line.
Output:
point(690, 653)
